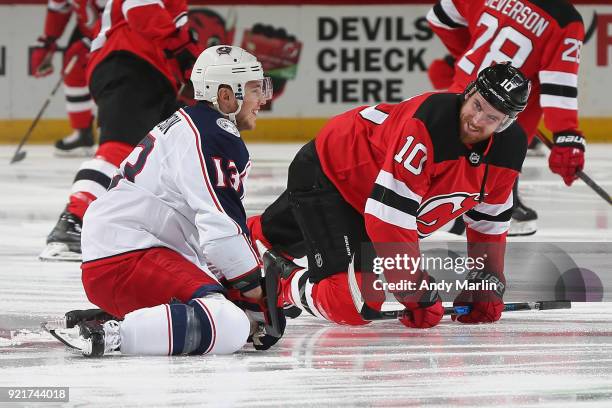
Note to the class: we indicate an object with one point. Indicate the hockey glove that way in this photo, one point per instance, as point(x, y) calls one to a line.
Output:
point(422, 315)
point(427, 312)
point(278, 52)
point(441, 72)
point(182, 49)
point(567, 155)
point(40, 59)
point(258, 313)
point(487, 305)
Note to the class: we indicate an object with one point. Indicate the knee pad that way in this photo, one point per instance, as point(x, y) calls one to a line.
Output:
point(208, 325)
point(224, 327)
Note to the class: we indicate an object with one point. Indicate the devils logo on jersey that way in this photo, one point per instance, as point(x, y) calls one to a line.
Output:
point(439, 210)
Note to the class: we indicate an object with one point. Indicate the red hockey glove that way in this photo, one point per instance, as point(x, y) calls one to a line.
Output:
point(422, 315)
point(278, 52)
point(567, 155)
point(441, 72)
point(427, 312)
point(40, 59)
point(183, 50)
point(487, 305)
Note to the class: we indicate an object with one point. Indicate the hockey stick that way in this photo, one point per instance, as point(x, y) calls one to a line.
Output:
point(581, 175)
point(396, 309)
point(368, 313)
point(21, 154)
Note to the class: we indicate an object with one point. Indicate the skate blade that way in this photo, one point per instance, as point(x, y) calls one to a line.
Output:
point(57, 251)
point(522, 228)
point(69, 337)
point(76, 152)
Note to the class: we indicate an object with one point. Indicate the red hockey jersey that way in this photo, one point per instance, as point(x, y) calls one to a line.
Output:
point(144, 28)
point(542, 38)
point(405, 169)
point(87, 16)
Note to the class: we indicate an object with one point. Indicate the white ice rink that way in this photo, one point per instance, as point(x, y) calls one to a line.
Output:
point(547, 358)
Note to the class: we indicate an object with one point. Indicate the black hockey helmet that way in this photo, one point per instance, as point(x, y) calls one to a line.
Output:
point(504, 87)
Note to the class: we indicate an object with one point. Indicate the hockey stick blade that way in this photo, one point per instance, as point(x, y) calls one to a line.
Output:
point(18, 156)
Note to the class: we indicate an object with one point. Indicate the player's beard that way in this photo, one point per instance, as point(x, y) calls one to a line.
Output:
point(470, 134)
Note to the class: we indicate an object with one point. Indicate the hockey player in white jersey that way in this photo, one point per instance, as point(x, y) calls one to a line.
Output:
point(167, 247)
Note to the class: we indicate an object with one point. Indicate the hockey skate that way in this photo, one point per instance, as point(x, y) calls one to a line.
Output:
point(68, 330)
point(523, 221)
point(79, 143)
point(99, 338)
point(64, 241)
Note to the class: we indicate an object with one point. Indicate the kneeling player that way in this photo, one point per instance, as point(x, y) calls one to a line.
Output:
point(394, 174)
point(167, 248)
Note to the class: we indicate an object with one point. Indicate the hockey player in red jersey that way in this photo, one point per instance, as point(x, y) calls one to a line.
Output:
point(78, 99)
point(543, 39)
point(168, 245)
point(139, 60)
point(394, 174)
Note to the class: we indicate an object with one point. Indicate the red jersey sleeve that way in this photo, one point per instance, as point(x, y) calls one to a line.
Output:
point(447, 19)
point(151, 19)
point(559, 78)
point(391, 209)
point(487, 223)
point(58, 15)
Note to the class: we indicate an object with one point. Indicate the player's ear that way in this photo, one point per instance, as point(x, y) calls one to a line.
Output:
point(224, 93)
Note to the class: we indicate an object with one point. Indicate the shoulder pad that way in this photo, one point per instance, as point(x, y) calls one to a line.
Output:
point(562, 11)
point(509, 148)
point(439, 113)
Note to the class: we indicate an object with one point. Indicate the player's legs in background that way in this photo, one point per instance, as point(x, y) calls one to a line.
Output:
point(169, 306)
point(79, 103)
point(523, 221)
point(132, 97)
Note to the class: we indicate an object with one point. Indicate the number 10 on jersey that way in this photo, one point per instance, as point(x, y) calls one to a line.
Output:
point(412, 155)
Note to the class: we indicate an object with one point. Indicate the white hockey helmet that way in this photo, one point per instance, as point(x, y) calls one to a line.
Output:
point(231, 66)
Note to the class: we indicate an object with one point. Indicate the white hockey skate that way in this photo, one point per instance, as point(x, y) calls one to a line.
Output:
point(98, 338)
point(91, 338)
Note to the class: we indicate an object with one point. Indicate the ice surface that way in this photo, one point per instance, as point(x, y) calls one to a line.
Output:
point(551, 358)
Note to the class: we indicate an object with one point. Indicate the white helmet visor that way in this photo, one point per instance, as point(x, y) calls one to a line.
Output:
point(260, 89)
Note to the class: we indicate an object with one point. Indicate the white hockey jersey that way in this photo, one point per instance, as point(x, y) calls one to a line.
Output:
point(181, 188)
